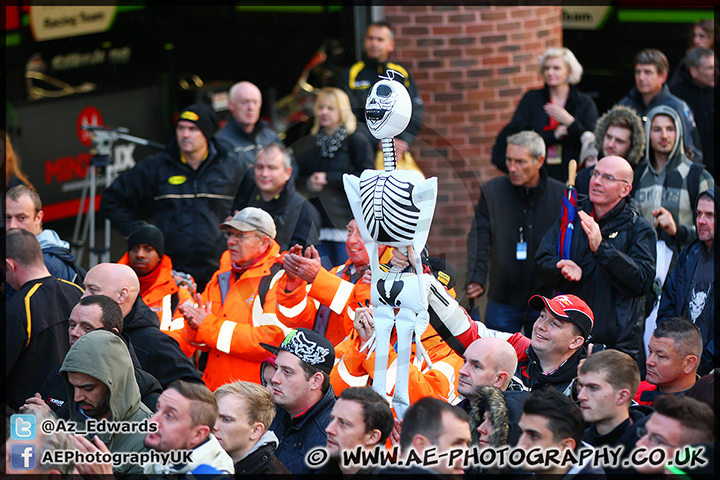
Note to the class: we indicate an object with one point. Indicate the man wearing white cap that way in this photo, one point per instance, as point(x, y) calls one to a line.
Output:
point(237, 309)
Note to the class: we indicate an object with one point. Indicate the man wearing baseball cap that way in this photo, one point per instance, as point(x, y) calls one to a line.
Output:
point(552, 353)
point(237, 309)
point(557, 341)
point(302, 394)
point(190, 187)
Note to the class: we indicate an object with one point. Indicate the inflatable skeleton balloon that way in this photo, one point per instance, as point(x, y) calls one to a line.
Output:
point(394, 207)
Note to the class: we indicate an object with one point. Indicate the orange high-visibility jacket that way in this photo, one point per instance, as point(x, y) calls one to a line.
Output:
point(243, 316)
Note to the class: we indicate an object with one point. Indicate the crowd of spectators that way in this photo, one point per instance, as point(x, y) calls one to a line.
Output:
point(235, 328)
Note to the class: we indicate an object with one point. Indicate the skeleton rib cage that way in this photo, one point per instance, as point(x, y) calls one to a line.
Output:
point(388, 208)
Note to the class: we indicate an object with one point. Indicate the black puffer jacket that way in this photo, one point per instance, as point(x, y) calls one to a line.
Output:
point(615, 278)
point(188, 205)
point(261, 460)
point(158, 353)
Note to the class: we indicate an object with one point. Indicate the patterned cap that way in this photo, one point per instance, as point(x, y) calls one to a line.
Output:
point(309, 346)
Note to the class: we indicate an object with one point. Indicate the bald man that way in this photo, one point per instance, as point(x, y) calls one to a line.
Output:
point(244, 132)
point(158, 353)
point(612, 257)
point(488, 361)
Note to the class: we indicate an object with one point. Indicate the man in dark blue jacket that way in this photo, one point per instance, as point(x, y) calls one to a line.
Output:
point(190, 187)
point(688, 291)
point(303, 396)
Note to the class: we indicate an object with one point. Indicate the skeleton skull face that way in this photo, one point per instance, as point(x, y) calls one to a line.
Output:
point(388, 109)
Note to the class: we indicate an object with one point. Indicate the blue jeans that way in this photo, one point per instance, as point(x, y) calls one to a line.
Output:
point(332, 254)
point(506, 318)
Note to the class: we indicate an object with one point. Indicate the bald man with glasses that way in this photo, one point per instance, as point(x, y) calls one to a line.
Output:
point(612, 257)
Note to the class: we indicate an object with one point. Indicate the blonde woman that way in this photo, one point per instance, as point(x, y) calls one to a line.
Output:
point(559, 112)
point(332, 149)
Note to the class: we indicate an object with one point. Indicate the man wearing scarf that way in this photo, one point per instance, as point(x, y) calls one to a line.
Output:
point(237, 309)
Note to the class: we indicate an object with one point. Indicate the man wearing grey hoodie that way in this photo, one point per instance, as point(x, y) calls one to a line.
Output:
point(101, 384)
point(667, 183)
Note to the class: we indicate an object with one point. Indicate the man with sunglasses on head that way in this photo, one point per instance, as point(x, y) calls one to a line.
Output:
point(237, 309)
point(612, 257)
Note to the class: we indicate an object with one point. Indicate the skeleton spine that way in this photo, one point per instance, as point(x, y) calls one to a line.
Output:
point(388, 146)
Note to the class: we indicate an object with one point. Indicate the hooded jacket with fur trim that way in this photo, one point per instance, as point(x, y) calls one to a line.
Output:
point(637, 138)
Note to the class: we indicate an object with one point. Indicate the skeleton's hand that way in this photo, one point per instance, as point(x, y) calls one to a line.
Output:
point(421, 323)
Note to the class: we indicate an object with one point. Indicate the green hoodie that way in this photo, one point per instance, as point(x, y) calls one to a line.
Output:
point(103, 355)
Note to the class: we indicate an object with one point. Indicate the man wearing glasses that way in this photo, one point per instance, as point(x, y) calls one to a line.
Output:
point(612, 257)
point(237, 309)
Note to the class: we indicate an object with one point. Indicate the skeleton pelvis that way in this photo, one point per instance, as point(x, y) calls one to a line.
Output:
point(398, 290)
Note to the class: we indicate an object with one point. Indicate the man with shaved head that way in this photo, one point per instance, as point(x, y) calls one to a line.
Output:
point(158, 353)
point(612, 257)
point(488, 361)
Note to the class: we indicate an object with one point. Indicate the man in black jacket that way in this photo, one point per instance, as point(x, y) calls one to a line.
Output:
point(190, 187)
point(607, 382)
point(92, 312)
point(158, 353)
point(612, 258)
point(361, 418)
point(512, 215)
point(36, 325)
point(696, 85)
point(357, 81)
point(296, 219)
point(245, 412)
